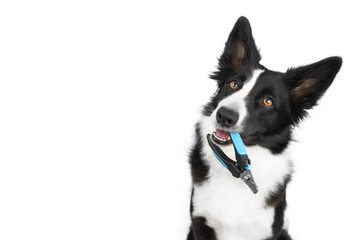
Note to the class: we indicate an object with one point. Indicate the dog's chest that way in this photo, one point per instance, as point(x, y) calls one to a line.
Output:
point(232, 210)
point(229, 206)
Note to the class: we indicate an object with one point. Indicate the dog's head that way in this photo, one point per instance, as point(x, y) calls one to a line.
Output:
point(261, 104)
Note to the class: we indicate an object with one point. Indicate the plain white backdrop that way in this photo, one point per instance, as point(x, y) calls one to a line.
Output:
point(98, 100)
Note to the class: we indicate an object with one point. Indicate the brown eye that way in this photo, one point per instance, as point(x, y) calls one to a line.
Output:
point(268, 102)
point(233, 85)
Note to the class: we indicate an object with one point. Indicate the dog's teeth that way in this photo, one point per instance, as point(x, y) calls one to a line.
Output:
point(221, 139)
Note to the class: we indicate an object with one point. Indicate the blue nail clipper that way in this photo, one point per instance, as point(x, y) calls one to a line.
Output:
point(240, 168)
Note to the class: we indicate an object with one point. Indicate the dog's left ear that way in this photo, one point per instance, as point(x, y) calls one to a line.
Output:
point(308, 83)
point(240, 47)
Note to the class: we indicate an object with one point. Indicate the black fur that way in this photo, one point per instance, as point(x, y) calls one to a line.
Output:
point(199, 230)
point(199, 170)
point(320, 75)
point(292, 92)
point(278, 200)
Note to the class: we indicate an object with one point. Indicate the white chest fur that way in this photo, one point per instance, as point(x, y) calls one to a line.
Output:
point(228, 205)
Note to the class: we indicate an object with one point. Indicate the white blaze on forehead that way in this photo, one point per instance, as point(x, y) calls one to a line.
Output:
point(236, 101)
point(250, 83)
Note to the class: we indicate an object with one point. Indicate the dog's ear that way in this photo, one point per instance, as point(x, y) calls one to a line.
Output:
point(240, 47)
point(307, 84)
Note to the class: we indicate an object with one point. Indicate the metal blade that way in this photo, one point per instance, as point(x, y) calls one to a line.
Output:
point(248, 179)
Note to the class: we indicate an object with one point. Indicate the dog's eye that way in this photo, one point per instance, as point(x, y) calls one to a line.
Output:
point(268, 102)
point(234, 85)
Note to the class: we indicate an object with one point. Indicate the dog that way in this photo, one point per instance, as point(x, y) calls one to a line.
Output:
point(263, 106)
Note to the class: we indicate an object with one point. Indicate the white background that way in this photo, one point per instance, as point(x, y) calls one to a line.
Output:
point(98, 100)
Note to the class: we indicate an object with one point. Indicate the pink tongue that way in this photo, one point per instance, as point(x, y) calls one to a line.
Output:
point(222, 134)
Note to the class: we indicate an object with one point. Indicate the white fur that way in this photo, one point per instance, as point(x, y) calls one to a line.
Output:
point(228, 205)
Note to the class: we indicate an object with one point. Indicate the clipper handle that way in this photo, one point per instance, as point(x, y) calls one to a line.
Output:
point(242, 158)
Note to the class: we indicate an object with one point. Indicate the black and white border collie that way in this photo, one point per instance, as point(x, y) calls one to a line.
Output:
point(263, 106)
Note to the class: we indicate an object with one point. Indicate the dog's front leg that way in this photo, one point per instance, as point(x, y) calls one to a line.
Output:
point(200, 230)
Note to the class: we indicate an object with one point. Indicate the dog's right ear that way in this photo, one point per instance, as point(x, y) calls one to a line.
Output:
point(240, 48)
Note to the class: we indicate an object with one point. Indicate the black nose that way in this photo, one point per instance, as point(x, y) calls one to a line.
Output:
point(226, 117)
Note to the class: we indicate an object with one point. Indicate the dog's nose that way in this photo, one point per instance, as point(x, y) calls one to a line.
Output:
point(226, 117)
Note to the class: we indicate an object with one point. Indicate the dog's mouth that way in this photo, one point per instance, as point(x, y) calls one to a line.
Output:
point(221, 137)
